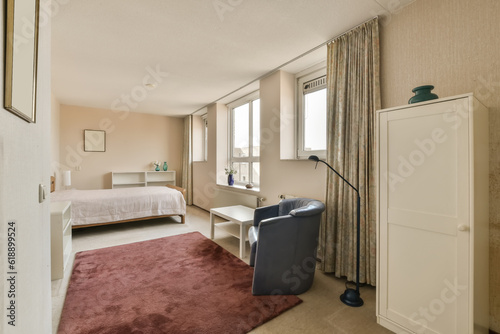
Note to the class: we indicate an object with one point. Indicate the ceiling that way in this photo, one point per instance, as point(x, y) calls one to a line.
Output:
point(175, 57)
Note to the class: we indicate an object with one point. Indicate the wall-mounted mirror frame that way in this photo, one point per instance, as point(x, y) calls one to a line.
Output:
point(21, 58)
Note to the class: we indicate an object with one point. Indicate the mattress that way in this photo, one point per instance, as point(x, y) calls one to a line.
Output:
point(110, 205)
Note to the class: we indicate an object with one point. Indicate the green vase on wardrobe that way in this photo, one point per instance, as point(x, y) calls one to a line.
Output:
point(422, 93)
point(165, 166)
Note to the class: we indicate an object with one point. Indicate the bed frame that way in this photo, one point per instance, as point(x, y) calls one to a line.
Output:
point(183, 217)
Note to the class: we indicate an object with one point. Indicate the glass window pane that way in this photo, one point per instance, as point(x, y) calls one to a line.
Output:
point(315, 120)
point(255, 172)
point(242, 174)
point(241, 133)
point(256, 127)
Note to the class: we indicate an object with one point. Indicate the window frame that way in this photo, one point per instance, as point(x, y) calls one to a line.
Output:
point(301, 78)
point(250, 98)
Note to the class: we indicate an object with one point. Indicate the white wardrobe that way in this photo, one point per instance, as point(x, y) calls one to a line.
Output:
point(432, 217)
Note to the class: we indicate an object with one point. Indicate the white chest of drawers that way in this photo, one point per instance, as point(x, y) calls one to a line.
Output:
point(60, 232)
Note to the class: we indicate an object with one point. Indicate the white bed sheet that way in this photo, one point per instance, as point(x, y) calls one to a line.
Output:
point(109, 205)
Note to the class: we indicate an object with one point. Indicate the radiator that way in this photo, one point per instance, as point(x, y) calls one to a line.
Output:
point(228, 198)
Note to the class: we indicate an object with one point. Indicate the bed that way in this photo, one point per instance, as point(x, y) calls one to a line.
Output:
point(111, 206)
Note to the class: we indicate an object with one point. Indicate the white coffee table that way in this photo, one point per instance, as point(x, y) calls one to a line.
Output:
point(236, 215)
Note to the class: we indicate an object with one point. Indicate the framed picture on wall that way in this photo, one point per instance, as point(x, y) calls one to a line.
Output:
point(21, 54)
point(94, 141)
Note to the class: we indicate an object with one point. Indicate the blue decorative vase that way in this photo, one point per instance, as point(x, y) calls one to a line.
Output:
point(230, 179)
point(165, 166)
point(422, 93)
point(157, 168)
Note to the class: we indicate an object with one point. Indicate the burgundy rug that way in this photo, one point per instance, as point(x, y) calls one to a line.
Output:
point(179, 284)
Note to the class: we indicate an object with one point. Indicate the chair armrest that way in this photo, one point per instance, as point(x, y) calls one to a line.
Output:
point(265, 212)
point(311, 209)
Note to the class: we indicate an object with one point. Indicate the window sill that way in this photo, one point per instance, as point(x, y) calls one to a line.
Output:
point(239, 188)
point(303, 158)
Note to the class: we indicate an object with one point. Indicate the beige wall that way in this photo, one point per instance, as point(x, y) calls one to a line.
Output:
point(206, 175)
point(291, 177)
point(451, 44)
point(198, 140)
point(133, 141)
point(455, 46)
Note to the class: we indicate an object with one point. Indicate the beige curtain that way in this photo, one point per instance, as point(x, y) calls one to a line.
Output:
point(187, 159)
point(353, 97)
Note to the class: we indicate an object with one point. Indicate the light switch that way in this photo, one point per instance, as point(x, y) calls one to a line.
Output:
point(41, 193)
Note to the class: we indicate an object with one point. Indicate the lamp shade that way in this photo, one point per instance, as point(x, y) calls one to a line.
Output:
point(67, 178)
point(313, 158)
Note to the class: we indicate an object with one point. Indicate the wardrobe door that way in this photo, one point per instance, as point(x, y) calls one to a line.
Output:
point(424, 217)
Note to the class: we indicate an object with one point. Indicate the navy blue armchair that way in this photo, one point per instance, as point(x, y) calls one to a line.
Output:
point(284, 238)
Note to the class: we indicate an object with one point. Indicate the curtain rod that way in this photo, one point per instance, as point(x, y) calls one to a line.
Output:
point(286, 63)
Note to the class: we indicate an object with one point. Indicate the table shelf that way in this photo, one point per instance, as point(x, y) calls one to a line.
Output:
point(232, 228)
point(239, 220)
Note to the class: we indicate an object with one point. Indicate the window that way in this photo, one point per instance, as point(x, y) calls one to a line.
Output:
point(244, 153)
point(311, 104)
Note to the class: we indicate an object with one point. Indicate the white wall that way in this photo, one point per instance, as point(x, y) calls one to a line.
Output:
point(24, 164)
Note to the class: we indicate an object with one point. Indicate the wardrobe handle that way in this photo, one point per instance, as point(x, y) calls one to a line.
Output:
point(463, 228)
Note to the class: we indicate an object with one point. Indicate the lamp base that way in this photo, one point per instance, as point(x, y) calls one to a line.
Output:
point(351, 297)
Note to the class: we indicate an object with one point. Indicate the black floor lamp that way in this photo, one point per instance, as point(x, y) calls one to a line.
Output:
point(350, 297)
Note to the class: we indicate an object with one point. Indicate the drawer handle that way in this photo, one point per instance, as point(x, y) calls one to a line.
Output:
point(463, 228)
